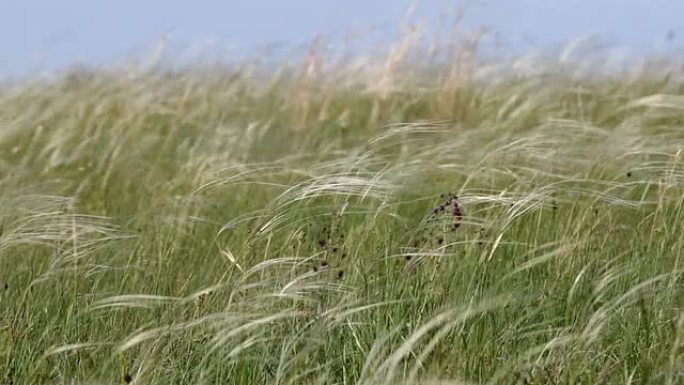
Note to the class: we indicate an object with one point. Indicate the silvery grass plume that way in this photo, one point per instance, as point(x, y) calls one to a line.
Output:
point(51, 222)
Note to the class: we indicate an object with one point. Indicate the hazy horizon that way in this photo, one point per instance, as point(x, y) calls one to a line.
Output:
point(41, 36)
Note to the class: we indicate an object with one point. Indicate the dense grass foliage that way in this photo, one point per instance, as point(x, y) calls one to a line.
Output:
point(340, 225)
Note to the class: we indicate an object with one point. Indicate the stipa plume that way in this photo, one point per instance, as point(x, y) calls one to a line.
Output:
point(51, 222)
point(421, 342)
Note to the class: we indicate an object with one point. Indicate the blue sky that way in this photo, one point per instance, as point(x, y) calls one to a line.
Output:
point(45, 35)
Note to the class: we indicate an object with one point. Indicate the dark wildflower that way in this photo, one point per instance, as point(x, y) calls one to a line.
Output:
point(440, 240)
point(321, 243)
point(629, 174)
point(322, 265)
point(340, 274)
point(127, 378)
point(450, 200)
point(458, 213)
point(334, 250)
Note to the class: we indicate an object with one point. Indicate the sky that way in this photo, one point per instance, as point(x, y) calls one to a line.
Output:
point(46, 35)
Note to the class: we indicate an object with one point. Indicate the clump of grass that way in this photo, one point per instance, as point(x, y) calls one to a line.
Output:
point(233, 225)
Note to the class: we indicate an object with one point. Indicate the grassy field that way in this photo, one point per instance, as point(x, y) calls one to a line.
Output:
point(386, 221)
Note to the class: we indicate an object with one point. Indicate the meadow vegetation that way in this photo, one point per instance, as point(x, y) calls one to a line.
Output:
point(420, 217)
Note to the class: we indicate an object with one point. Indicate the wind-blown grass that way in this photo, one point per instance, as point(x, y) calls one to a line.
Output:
point(222, 226)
